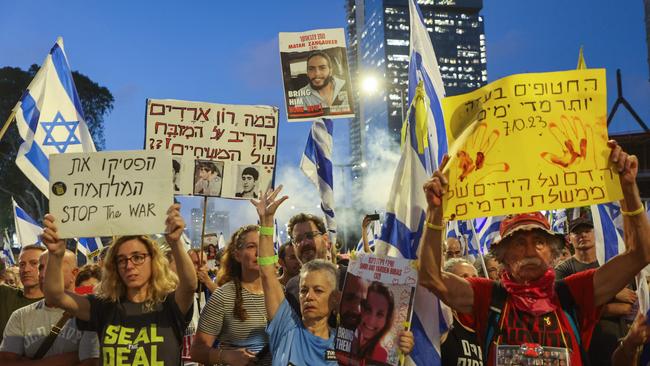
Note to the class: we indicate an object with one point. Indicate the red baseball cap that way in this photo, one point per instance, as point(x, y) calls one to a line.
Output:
point(525, 222)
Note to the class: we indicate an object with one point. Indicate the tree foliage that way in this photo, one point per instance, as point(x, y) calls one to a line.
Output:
point(97, 102)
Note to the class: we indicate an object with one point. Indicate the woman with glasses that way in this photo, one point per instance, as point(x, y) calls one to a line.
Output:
point(141, 308)
point(235, 315)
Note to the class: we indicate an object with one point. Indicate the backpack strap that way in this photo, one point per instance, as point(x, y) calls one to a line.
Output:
point(499, 295)
point(569, 309)
point(51, 337)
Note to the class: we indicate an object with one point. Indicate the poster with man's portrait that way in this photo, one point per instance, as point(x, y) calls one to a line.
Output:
point(376, 302)
point(212, 144)
point(315, 74)
point(208, 178)
point(251, 180)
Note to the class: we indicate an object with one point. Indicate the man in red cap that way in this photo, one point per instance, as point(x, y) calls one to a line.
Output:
point(527, 314)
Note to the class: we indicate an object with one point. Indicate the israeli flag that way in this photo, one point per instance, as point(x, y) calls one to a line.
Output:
point(50, 119)
point(277, 242)
point(423, 144)
point(558, 220)
point(316, 163)
point(608, 230)
point(27, 229)
point(6, 252)
point(89, 247)
point(488, 232)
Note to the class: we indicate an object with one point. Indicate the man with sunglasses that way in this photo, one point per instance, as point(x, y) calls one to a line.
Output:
point(310, 241)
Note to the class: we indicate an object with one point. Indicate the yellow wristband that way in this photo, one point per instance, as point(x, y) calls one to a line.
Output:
point(434, 226)
point(267, 230)
point(638, 211)
point(267, 261)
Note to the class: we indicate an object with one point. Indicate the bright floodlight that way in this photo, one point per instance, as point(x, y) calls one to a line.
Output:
point(370, 84)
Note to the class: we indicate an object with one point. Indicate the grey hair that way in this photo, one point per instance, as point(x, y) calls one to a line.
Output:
point(450, 263)
point(479, 266)
point(320, 265)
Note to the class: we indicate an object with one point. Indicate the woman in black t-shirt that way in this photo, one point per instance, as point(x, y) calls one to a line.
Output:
point(141, 308)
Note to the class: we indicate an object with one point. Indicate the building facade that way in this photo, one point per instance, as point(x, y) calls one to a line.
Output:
point(378, 49)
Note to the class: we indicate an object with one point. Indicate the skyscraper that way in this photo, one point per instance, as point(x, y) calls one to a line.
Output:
point(378, 55)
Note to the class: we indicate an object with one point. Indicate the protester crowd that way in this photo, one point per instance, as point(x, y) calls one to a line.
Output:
point(538, 295)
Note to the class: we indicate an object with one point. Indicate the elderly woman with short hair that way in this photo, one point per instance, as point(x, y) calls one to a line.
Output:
point(296, 340)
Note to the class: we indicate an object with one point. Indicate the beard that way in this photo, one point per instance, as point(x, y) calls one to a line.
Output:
point(326, 82)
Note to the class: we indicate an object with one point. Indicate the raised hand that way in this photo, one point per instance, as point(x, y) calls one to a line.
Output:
point(54, 244)
point(174, 224)
point(268, 204)
point(436, 186)
point(626, 165)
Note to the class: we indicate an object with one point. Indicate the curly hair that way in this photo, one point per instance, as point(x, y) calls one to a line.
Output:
point(305, 217)
point(380, 289)
point(230, 269)
point(163, 281)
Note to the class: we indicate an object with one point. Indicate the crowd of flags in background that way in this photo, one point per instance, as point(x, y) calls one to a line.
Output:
point(50, 120)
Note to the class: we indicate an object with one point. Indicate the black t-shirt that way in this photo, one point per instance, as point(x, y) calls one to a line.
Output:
point(571, 266)
point(461, 347)
point(130, 336)
point(608, 330)
point(292, 292)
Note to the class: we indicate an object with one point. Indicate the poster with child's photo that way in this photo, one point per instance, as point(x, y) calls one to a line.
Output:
point(376, 303)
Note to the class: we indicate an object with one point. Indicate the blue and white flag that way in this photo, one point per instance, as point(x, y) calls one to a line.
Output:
point(316, 163)
point(277, 242)
point(28, 230)
point(50, 119)
point(608, 229)
point(89, 247)
point(423, 143)
point(488, 232)
point(558, 220)
point(6, 250)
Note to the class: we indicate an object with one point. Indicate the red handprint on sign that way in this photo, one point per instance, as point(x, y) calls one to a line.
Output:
point(479, 145)
point(575, 140)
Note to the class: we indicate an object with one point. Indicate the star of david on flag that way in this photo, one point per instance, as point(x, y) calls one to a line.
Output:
point(65, 129)
point(50, 119)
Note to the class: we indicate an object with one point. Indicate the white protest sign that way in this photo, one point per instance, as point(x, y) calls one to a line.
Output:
point(218, 150)
point(315, 74)
point(111, 192)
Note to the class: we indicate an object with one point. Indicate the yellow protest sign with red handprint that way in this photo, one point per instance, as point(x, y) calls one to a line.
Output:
point(529, 142)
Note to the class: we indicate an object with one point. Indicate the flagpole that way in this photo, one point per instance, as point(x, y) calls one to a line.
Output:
point(5, 127)
point(199, 288)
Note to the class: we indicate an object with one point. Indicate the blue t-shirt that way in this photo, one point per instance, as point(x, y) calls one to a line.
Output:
point(292, 344)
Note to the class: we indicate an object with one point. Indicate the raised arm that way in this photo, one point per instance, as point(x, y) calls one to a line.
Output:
point(451, 289)
point(184, 294)
point(611, 277)
point(273, 292)
point(55, 294)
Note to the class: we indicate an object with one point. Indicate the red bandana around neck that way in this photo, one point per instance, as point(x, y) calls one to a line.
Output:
point(535, 297)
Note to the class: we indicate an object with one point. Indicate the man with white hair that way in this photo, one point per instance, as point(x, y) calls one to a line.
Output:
point(39, 332)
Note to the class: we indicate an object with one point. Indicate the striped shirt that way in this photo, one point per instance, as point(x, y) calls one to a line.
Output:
point(217, 319)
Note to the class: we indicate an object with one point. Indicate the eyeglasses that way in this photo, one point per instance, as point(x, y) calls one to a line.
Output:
point(136, 259)
point(309, 235)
